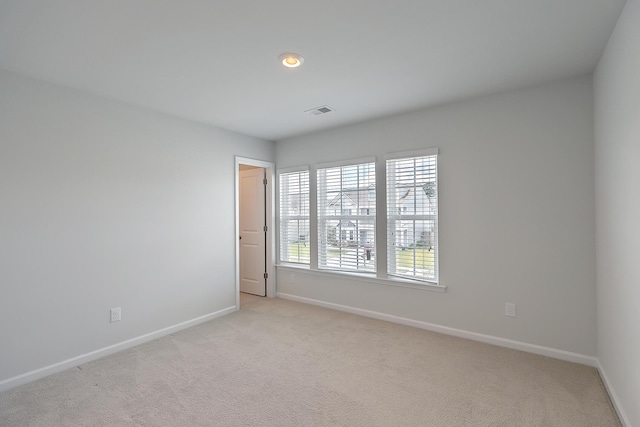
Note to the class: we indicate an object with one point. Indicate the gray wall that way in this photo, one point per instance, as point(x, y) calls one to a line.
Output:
point(617, 135)
point(516, 214)
point(106, 205)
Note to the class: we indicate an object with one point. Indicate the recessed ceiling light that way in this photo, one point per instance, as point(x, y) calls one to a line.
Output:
point(291, 60)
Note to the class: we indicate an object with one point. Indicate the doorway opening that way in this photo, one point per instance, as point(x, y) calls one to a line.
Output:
point(255, 226)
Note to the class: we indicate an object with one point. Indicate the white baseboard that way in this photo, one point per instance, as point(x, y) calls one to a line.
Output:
point(614, 397)
point(489, 339)
point(97, 354)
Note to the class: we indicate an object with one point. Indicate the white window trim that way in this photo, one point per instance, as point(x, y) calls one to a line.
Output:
point(381, 276)
point(433, 151)
point(292, 169)
point(349, 162)
point(412, 153)
point(367, 278)
point(338, 164)
point(304, 168)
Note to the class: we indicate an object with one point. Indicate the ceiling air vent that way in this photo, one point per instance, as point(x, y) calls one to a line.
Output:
point(319, 110)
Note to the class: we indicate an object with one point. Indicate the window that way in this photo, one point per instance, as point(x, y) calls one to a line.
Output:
point(412, 217)
point(294, 217)
point(346, 217)
point(347, 214)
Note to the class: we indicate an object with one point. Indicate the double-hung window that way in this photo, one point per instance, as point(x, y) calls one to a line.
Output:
point(412, 216)
point(294, 217)
point(346, 216)
point(342, 198)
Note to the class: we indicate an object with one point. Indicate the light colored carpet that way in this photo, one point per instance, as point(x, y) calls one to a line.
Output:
point(282, 363)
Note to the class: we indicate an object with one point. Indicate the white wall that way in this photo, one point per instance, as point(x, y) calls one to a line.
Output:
point(106, 205)
point(516, 214)
point(617, 136)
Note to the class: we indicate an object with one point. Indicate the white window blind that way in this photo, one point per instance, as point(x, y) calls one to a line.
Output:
point(412, 217)
point(346, 217)
point(294, 217)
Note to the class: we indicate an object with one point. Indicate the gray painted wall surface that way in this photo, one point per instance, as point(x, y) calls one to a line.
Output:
point(516, 214)
point(106, 205)
point(617, 135)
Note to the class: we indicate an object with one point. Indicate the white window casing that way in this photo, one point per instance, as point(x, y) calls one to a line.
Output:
point(412, 215)
point(294, 244)
point(347, 216)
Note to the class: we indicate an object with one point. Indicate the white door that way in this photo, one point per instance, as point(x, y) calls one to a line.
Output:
point(252, 234)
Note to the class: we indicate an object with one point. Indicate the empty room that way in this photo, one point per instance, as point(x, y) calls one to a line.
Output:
point(338, 213)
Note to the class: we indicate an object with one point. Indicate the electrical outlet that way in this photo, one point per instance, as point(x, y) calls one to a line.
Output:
point(116, 314)
point(509, 309)
point(292, 278)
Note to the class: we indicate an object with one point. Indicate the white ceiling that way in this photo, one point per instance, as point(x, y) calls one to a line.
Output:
point(216, 61)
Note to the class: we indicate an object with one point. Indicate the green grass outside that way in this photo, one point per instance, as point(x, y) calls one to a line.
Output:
point(296, 250)
point(300, 250)
point(424, 259)
point(335, 252)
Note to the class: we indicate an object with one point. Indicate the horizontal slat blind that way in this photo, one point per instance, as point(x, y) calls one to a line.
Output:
point(346, 217)
point(294, 217)
point(412, 217)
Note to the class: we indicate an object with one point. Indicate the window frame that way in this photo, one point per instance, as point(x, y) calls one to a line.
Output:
point(322, 218)
point(414, 218)
point(381, 275)
point(307, 217)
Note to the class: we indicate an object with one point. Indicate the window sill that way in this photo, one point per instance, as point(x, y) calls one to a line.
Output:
point(367, 278)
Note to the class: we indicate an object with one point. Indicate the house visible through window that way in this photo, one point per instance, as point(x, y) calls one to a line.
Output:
point(346, 217)
point(294, 217)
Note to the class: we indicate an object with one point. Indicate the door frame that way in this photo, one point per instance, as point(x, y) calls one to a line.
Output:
point(270, 169)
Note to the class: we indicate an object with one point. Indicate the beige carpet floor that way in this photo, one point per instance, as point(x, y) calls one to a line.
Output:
point(282, 363)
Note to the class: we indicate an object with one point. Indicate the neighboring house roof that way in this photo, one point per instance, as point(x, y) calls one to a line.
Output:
point(345, 224)
point(354, 197)
point(350, 198)
point(342, 199)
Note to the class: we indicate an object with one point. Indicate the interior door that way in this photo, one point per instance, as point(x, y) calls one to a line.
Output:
point(252, 232)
